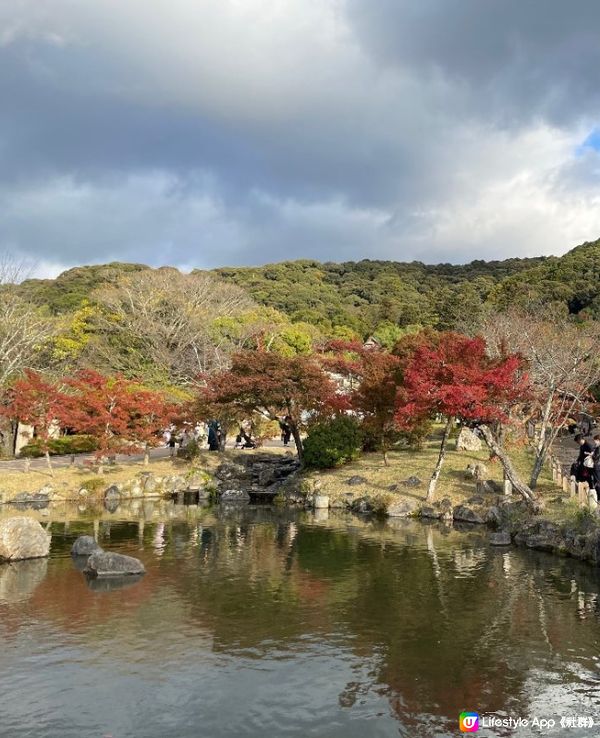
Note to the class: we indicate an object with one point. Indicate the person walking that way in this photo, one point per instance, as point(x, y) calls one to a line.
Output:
point(286, 430)
point(171, 442)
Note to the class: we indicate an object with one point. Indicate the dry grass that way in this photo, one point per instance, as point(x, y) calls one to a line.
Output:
point(403, 464)
point(73, 478)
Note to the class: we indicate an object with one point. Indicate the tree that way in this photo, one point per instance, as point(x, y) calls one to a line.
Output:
point(159, 324)
point(563, 358)
point(452, 375)
point(38, 403)
point(271, 385)
point(373, 376)
point(122, 415)
point(24, 329)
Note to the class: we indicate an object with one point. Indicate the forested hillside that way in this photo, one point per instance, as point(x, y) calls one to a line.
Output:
point(365, 297)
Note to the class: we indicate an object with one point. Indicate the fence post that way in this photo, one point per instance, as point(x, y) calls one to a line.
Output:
point(508, 488)
point(573, 483)
point(566, 483)
point(582, 493)
point(593, 500)
point(553, 470)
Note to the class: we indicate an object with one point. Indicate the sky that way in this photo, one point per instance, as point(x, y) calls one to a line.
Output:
point(205, 133)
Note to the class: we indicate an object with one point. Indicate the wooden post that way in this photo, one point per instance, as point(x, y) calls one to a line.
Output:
point(573, 483)
point(96, 529)
point(582, 493)
point(559, 475)
point(593, 500)
point(566, 484)
point(508, 488)
point(554, 470)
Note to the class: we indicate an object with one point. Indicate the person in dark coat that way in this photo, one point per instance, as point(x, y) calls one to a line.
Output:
point(581, 472)
point(213, 435)
point(286, 430)
point(596, 458)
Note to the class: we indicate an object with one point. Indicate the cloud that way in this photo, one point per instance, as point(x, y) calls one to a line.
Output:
point(245, 131)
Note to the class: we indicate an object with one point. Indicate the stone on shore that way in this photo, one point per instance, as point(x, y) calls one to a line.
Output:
point(468, 441)
point(23, 538)
point(466, 515)
point(234, 495)
point(402, 508)
point(106, 564)
point(356, 480)
point(85, 546)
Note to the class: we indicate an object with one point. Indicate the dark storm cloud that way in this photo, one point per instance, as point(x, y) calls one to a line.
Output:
point(517, 59)
point(203, 135)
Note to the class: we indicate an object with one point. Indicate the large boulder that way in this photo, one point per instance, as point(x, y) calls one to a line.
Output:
point(23, 538)
point(85, 546)
point(106, 564)
point(468, 441)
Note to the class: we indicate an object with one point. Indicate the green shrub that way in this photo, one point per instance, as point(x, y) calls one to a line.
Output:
point(94, 484)
point(63, 445)
point(332, 443)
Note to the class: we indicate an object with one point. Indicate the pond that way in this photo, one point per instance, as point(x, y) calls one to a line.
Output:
point(263, 622)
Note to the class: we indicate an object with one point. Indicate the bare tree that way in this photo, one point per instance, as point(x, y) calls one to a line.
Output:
point(564, 363)
point(24, 333)
point(24, 329)
point(163, 321)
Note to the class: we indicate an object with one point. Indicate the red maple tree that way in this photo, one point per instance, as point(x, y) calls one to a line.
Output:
point(121, 414)
point(453, 376)
point(271, 385)
point(34, 401)
point(372, 377)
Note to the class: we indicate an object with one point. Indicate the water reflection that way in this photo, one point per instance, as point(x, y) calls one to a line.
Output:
point(19, 579)
point(257, 621)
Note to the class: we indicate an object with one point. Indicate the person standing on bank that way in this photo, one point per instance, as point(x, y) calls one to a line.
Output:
point(583, 468)
point(596, 459)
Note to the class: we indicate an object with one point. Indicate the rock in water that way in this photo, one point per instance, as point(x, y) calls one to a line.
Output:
point(84, 546)
point(500, 538)
point(105, 564)
point(23, 538)
point(468, 441)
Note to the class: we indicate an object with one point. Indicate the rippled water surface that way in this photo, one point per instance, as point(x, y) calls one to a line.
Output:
point(257, 622)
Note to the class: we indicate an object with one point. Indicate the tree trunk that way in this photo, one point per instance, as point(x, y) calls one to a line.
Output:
point(511, 473)
point(543, 442)
point(298, 440)
point(538, 465)
point(49, 463)
point(440, 461)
